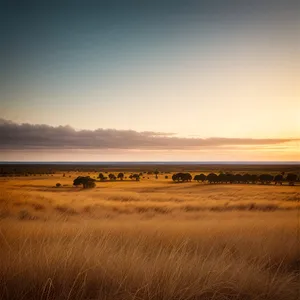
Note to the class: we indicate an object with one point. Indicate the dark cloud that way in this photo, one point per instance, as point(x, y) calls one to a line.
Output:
point(28, 136)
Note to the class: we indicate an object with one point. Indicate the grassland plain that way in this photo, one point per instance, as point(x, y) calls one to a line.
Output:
point(152, 239)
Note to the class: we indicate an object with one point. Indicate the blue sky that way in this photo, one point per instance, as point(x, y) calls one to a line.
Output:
point(200, 69)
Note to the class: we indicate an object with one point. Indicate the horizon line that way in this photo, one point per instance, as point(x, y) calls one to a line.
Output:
point(151, 162)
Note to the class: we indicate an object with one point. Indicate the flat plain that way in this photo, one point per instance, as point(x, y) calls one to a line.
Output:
point(147, 239)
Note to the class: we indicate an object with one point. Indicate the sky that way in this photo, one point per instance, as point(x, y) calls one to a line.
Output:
point(154, 80)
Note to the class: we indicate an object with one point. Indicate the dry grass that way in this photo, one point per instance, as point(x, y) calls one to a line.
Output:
point(148, 240)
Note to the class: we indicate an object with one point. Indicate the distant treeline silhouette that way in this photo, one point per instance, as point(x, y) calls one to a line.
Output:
point(245, 178)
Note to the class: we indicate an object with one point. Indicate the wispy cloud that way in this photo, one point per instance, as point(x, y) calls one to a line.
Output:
point(39, 136)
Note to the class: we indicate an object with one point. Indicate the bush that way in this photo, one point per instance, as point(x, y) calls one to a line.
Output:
point(58, 185)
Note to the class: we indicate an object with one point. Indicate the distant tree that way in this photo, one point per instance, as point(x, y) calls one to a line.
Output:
point(58, 185)
point(182, 177)
point(77, 181)
point(101, 176)
point(156, 172)
point(222, 178)
point(112, 176)
point(121, 176)
point(291, 178)
point(200, 177)
point(253, 178)
point(166, 177)
point(197, 178)
point(238, 178)
point(85, 181)
point(175, 177)
point(229, 178)
point(212, 178)
point(135, 176)
point(186, 177)
point(265, 178)
point(278, 179)
point(246, 178)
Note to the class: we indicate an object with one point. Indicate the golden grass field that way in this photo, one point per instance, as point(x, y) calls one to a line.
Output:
point(152, 239)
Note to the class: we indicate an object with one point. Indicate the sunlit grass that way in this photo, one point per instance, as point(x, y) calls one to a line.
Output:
point(147, 240)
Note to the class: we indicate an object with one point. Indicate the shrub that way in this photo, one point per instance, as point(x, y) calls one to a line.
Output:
point(135, 176)
point(58, 185)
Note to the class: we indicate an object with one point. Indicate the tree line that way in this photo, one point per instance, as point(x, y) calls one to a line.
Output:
point(247, 178)
point(88, 182)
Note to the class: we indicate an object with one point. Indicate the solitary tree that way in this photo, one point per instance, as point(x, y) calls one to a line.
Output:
point(85, 181)
point(121, 176)
point(101, 176)
point(135, 176)
point(156, 172)
point(112, 176)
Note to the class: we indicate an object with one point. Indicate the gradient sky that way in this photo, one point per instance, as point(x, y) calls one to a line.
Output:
point(197, 69)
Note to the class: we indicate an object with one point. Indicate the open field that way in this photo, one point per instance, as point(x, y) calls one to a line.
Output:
point(152, 239)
